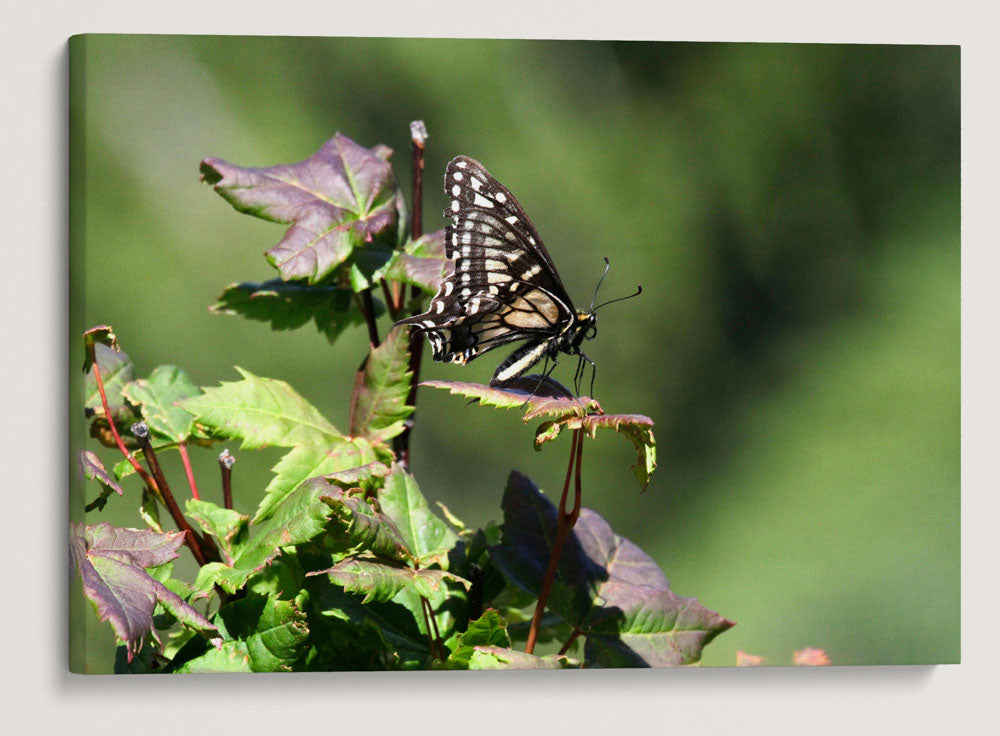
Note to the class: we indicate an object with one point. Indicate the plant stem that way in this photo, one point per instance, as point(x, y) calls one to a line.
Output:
point(191, 538)
point(418, 136)
point(226, 462)
point(368, 311)
point(564, 526)
point(114, 433)
point(182, 448)
point(572, 638)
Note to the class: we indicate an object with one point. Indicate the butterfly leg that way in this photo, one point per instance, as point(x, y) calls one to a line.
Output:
point(580, 369)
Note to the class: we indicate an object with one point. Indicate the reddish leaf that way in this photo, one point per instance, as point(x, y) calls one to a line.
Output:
point(336, 200)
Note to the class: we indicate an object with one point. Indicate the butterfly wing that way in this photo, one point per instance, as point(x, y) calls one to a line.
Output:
point(504, 286)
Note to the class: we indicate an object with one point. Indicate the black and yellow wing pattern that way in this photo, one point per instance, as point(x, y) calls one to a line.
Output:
point(504, 286)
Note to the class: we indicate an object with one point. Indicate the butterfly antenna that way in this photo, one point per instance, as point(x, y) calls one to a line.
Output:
point(607, 265)
point(638, 291)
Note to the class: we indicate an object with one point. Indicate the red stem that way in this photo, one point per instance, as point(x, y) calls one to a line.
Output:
point(182, 448)
point(114, 433)
point(565, 524)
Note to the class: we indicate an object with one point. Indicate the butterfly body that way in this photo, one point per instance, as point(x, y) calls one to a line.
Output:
point(504, 286)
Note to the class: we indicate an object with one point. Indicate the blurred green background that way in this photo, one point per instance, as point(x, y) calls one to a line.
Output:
point(791, 211)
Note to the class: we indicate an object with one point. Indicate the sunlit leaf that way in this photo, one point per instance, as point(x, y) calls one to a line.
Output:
point(156, 398)
point(112, 563)
point(341, 197)
point(381, 402)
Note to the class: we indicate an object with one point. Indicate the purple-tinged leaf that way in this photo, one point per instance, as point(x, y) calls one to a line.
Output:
point(605, 585)
point(381, 402)
point(634, 427)
point(112, 561)
point(811, 657)
point(92, 468)
point(341, 197)
point(748, 660)
point(541, 404)
point(353, 477)
point(421, 263)
point(287, 305)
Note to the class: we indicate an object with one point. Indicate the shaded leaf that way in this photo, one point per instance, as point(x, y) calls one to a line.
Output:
point(341, 197)
point(427, 536)
point(261, 412)
point(287, 305)
point(381, 580)
point(156, 397)
point(498, 658)
point(112, 563)
point(309, 461)
point(605, 585)
point(381, 403)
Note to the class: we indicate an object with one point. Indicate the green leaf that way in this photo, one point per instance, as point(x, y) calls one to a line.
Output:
point(156, 398)
point(309, 461)
point(232, 656)
point(301, 516)
point(274, 630)
point(427, 536)
point(381, 580)
point(489, 630)
point(99, 335)
point(381, 403)
point(337, 200)
point(498, 658)
point(360, 526)
point(261, 412)
point(230, 528)
point(605, 586)
point(287, 305)
point(112, 563)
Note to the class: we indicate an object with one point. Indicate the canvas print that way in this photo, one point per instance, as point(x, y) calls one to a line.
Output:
point(425, 354)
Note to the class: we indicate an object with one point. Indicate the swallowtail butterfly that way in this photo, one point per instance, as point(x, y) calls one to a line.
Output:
point(504, 286)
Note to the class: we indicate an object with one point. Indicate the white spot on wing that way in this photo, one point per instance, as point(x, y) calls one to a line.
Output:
point(482, 201)
point(501, 197)
point(448, 287)
point(439, 307)
point(456, 190)
point(457, 176)
point(454, 205)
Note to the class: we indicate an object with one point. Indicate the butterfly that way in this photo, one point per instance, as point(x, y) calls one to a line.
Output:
point(504, 286)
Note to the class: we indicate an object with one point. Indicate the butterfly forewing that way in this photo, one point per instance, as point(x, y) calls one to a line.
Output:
point(504, 286)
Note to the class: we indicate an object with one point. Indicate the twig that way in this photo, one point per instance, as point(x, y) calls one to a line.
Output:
point(418, 136)
point(566, 521)
point(150, 483)
point(226, 462)
point(191, 538)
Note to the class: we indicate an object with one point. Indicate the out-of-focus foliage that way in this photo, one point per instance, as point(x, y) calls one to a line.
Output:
point(791, 211)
